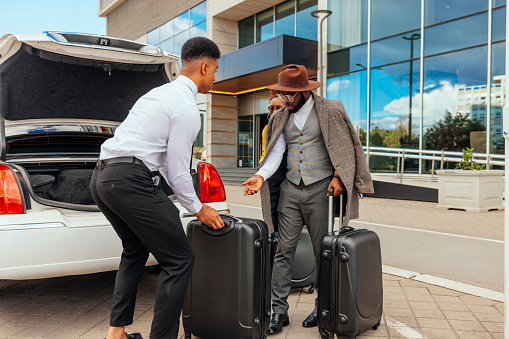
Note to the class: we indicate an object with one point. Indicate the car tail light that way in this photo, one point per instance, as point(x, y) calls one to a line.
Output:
point(211, 185)
point(10, 194)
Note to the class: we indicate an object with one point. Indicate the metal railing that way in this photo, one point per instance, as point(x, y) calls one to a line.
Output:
point(442, 156)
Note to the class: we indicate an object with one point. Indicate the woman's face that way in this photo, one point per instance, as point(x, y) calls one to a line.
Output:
point(275, 104)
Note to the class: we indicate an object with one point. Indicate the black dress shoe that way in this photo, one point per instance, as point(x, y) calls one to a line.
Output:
point(311, 320)
point(278, 321)
point(134, 336)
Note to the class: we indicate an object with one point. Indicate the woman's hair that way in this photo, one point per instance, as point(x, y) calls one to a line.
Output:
point(199, 47)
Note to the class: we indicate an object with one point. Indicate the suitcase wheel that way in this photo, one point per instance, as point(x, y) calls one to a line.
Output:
point(324, 334)
point(311, 289)
point(376, 326)
point(187, 335)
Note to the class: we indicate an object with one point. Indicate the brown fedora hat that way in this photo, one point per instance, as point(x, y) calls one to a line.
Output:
point(294, 78)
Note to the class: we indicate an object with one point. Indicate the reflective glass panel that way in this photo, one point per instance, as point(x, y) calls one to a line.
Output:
point(245, 141)
point(499, 20)
point(351, 89)
point(179, 40)
point(347, 60)
point(167, 45)
point(264, 25)
point(153, 37)
point(497, 3)
point(198, 13)
point(348, 24)
point(285, 18)
point(246, 32)
point(394, 105)
point(181, 23)
point(199, 30)
point(436, 11)
point(166, 30)
point(455, 83)
point(396, 49)
point(389, 17)
point(307, 26)
point(467, 32)
point(498, 97)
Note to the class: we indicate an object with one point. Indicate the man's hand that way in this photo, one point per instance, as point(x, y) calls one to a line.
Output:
point(253, 184)
point(337, 185)
point(210, 217)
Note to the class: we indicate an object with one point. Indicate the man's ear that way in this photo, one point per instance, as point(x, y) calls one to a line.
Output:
point(203, 68)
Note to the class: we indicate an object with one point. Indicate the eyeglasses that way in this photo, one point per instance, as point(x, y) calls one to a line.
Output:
point(274, 108)
point(287, 97)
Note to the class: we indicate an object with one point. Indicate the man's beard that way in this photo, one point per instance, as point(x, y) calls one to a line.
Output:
point(299, 105)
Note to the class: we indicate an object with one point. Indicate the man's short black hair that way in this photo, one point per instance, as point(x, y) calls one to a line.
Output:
point(199, 47)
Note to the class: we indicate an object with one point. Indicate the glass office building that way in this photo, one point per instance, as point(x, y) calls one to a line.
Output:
point(419, 74)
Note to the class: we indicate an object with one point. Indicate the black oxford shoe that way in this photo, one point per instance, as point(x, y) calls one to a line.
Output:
point(278, 322)
point(311, 320)
point(134, 336)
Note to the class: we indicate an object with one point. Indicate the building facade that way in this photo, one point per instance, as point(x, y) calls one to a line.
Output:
point(407, 71)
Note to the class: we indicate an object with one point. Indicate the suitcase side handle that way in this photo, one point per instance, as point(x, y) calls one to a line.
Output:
point(229, 223)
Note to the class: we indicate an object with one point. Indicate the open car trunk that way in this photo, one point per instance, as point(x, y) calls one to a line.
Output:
point(60, 100)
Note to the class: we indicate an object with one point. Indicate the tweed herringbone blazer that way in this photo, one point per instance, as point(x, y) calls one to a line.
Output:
point(344, 148)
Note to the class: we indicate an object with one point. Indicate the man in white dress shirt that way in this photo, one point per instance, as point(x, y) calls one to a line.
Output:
point(160, 129)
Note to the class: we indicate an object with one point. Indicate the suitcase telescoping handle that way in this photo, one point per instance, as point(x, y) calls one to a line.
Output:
point(331, 210)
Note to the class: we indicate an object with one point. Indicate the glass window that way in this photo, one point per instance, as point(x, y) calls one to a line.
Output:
point(181, 23)
point(498, 100)
point(307, 26)
point(348, 24)
point(245, 141)
point(264, 25)
point(199, 30)
point(396, 49)
point(498, 29)
point(351, 89)
point(166, 30)
point(285, 18)
point(436, 11)
point(444, 76)
point(347, 60)
point(467, 32)
point(167, 45)
point(385, 20)
point(395, 105)
point(153, 37)
point(180, 39)
point(497, 3)
point(246, 32)
point(198, 13)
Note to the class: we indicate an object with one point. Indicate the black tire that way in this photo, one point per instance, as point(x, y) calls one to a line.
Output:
point(376, 326)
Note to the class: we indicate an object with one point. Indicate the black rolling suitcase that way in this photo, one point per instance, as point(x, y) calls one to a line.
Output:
point(228, 296)
point(350, 292)
point(304, 264)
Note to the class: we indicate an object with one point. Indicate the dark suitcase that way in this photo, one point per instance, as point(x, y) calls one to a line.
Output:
point(304, 264)
point(350, 292)
point(228, 296)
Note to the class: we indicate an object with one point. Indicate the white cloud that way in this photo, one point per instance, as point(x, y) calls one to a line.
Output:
point(335, 86)
point(436, 102)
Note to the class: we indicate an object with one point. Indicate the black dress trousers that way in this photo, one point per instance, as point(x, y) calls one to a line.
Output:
point(146, 222)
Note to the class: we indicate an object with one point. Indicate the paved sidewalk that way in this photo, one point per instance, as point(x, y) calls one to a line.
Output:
point(78, 306)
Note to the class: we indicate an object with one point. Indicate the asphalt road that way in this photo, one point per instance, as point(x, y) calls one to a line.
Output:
point(456, 257)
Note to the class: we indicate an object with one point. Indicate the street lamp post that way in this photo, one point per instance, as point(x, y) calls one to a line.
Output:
point(414, 36)
point(315, 14)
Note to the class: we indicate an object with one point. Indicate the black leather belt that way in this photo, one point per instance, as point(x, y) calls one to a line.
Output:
point(120, 160)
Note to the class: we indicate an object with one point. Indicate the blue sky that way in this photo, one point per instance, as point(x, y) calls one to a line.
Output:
point(36, 16)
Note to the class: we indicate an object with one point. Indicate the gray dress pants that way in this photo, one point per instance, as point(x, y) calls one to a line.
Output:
point(299, 205)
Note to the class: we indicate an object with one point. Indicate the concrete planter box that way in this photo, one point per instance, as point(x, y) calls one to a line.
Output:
point(473, 191)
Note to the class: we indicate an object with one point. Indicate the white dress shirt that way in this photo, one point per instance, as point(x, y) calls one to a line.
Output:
point(161, 128)
point(274, 159)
